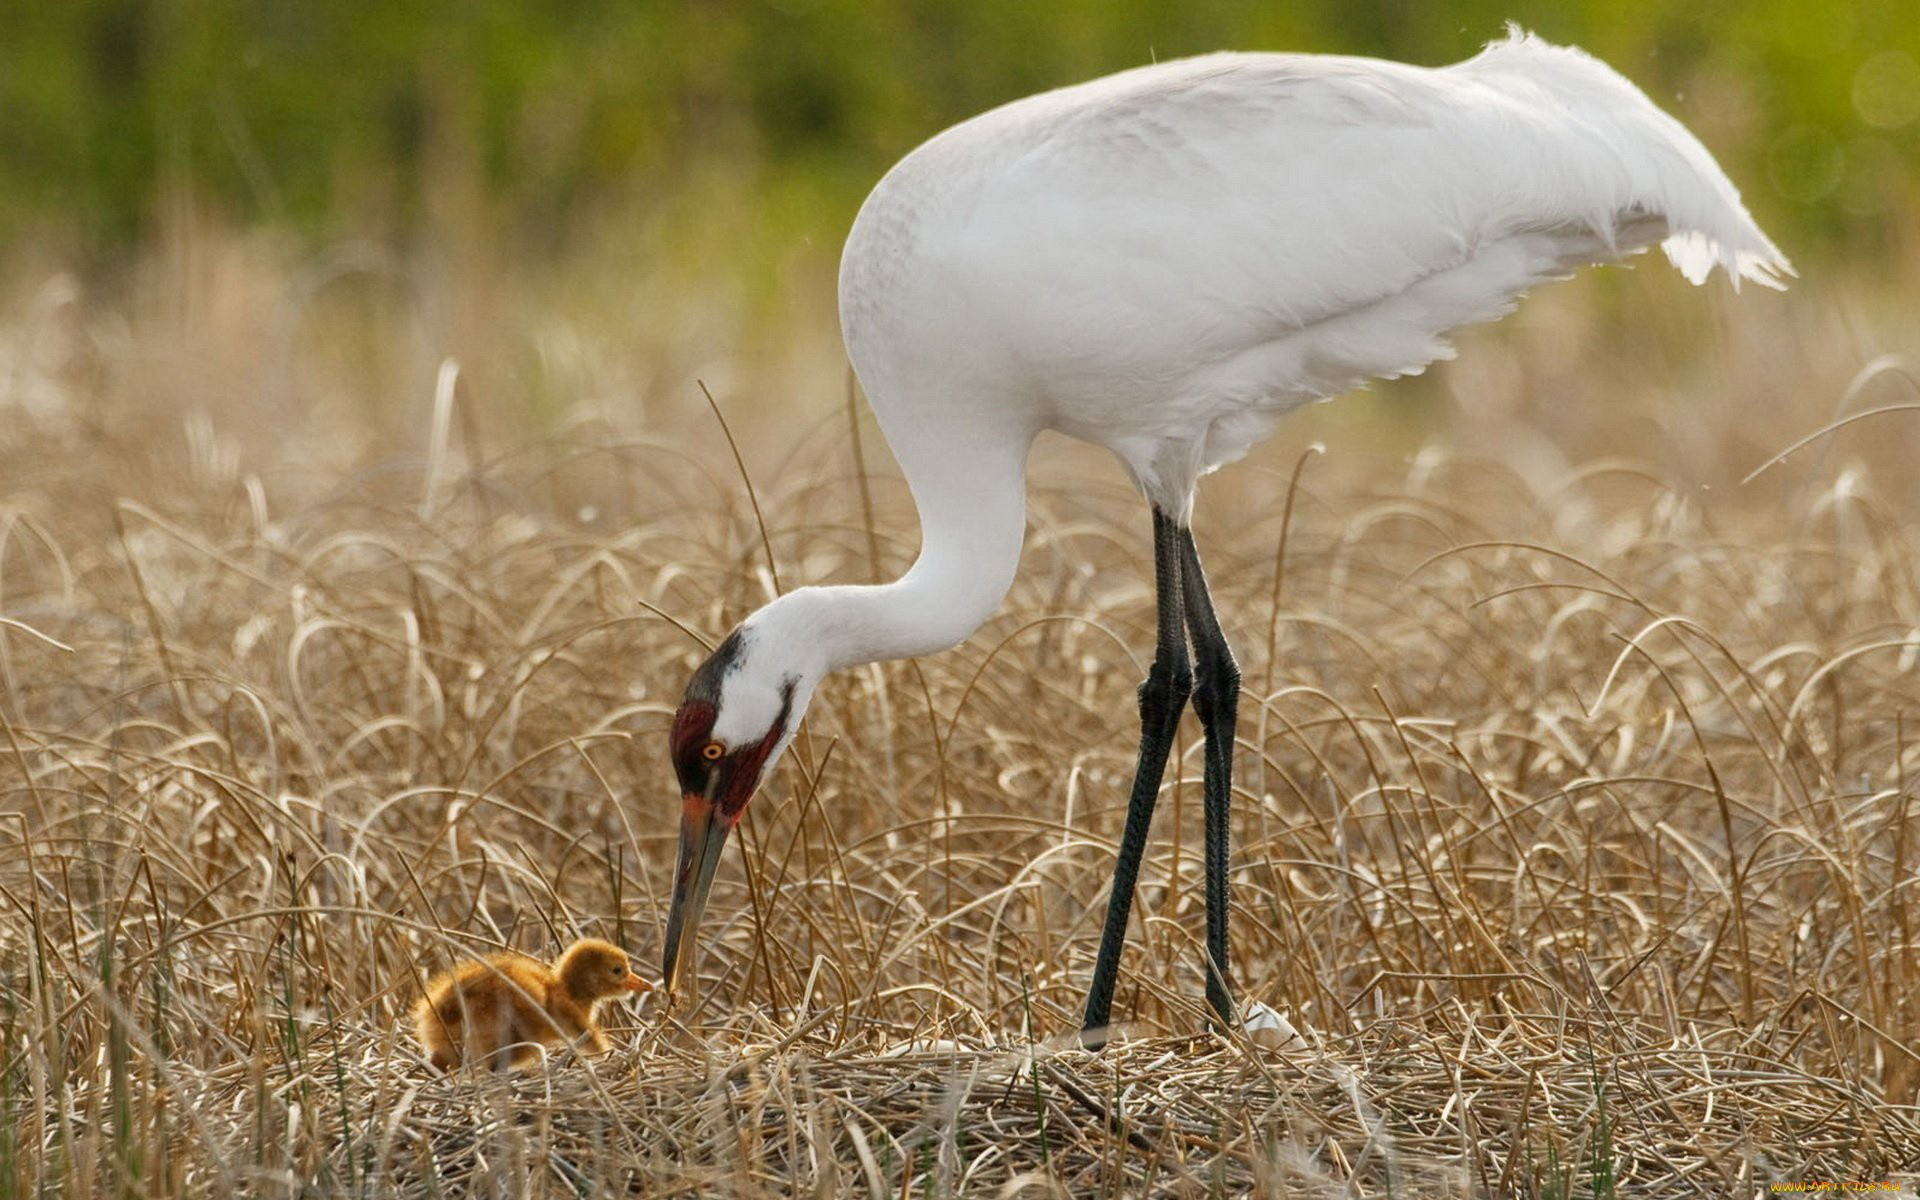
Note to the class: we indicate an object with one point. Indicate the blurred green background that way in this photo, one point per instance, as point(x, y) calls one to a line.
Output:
point(287, 216)
point(537, 122)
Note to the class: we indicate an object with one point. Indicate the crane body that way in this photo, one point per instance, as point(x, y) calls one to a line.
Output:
point(1164, 262)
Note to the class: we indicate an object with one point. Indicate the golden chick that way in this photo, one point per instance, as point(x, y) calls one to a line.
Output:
point(500, 1009)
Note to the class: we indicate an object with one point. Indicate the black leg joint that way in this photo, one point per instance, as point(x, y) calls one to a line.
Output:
point(1164, 692)
point(1216, 690)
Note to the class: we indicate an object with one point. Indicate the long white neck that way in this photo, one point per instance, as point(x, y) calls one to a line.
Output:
point(970, 489)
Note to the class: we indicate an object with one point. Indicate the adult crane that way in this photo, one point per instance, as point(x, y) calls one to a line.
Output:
point(1163, 262)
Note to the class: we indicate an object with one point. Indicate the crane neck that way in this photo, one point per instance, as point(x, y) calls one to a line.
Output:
point(971, 497)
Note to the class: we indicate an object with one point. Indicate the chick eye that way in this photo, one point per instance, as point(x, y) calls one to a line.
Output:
point(712, 751)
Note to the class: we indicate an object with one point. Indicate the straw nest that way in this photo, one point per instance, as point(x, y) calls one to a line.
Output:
point(1514, 1104)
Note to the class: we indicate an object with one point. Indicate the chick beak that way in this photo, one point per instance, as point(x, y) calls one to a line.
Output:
point(702, 833)
point(637, 985)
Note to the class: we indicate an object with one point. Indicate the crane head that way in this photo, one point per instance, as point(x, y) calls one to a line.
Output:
point(732, 723)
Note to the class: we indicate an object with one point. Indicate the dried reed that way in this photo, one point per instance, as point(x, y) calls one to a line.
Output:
point(1574, 825)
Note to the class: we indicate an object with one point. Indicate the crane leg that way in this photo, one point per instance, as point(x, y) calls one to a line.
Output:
point(1162, 697)
point(1216, 700)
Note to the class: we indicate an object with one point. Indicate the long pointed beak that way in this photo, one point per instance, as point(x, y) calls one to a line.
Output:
point(637, 985)
point(702, 833)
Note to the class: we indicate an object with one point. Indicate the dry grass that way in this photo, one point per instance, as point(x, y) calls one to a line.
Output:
point(1574, 822)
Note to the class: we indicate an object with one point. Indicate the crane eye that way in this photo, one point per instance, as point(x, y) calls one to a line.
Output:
point(712, 751)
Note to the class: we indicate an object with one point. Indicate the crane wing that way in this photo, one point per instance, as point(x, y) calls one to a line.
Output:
point(1292, 224)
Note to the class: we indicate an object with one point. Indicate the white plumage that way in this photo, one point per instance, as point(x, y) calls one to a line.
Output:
point(1163, 262)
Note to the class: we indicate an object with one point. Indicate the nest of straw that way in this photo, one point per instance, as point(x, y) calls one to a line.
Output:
point(1515, 1104)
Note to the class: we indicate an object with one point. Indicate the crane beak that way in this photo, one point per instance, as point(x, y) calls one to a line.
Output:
point(703, 832)
point(637, 985)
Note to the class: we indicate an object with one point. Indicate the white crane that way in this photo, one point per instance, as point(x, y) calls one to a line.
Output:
point(1163, 262)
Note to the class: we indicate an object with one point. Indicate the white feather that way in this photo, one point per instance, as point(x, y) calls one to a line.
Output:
point(1269, 1028)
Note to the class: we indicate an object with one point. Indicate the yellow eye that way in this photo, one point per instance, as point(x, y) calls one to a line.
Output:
point(712, 751)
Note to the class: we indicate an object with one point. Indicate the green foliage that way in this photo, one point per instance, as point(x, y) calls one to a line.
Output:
point(362, 116)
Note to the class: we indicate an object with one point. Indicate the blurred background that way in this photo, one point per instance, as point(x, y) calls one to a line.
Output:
point(544, 123)
point(592, 205)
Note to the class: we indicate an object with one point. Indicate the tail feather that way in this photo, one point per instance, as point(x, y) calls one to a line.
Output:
point(1650, 163)
point(1695, 253)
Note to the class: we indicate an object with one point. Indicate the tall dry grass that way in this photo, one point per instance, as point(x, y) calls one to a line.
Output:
point(1574, 816)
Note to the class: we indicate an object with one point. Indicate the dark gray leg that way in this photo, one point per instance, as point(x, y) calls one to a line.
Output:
point(1162, 697)
point(1216, 698)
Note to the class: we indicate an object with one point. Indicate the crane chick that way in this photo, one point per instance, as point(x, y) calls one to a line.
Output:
point(499, 1010)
